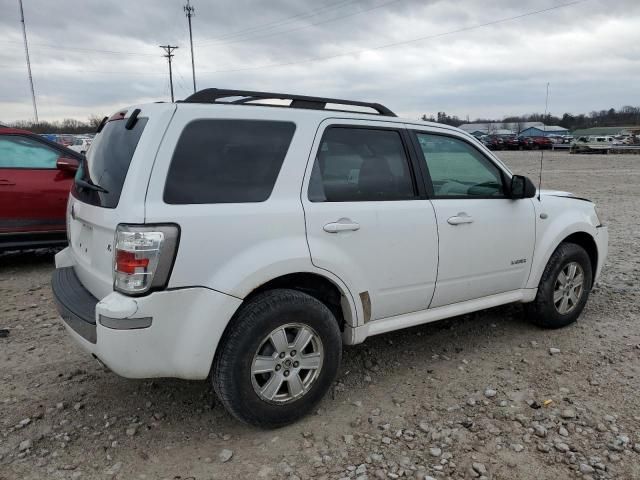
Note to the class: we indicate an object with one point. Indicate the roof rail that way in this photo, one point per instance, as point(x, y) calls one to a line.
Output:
point(211, 95)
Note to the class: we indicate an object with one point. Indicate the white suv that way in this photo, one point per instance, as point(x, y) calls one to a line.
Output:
point(227, 238)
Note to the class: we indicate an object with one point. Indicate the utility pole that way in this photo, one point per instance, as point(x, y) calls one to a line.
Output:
point(26, 51)
point(168, 49)
point(189, 10)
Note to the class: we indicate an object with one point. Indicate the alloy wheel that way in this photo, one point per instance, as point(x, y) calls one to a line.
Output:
point(568, 288)
point(287, 363)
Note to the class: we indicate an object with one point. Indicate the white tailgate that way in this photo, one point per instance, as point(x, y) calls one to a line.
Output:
point(92, 229)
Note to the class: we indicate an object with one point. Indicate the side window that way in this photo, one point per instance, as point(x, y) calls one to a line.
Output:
point(24, 152)
point(359, 165)
point(227, 161)
point(459, 170)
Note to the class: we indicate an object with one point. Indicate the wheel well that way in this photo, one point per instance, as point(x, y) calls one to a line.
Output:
point(312, 284)
point(587, 242)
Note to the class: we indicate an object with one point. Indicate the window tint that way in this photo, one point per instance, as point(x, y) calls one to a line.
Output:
point(359, 164)
point(459, 170)
point(24, 152)
point(107, 163)
point(227, 161)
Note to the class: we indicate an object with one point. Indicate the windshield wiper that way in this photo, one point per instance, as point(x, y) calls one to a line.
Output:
point(90, 185)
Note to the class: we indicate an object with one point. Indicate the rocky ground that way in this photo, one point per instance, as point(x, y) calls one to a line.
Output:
point(481, 396)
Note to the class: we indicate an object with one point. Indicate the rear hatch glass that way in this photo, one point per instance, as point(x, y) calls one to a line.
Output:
point(101, 175)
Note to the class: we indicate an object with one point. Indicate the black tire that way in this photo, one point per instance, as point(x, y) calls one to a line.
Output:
point(542, 311)
point(254, 321)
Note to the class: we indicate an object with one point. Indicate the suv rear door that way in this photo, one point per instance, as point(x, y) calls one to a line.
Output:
point(368, 220)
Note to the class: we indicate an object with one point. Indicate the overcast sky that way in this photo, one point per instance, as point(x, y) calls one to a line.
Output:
point(588, 51)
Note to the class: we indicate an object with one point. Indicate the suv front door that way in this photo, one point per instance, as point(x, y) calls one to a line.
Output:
point(368, 219)
point(486, 239)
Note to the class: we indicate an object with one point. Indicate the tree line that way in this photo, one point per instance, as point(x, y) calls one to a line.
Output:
point(624, 116)
point(68, 125)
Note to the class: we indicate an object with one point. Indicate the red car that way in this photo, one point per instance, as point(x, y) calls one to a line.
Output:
point(540, 143)
point(35, 179)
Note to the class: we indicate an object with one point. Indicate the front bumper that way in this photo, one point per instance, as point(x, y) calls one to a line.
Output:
point(172, 333)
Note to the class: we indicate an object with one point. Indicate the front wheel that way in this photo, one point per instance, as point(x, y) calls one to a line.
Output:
point(279, 356)
point(563, 289)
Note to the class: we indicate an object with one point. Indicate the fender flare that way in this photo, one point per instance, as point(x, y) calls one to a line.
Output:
point(548, 244)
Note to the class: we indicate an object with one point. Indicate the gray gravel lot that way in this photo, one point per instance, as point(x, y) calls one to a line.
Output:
point(460, 398)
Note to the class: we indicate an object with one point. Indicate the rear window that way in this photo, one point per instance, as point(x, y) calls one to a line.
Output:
point(107, 163)
point(227, 161)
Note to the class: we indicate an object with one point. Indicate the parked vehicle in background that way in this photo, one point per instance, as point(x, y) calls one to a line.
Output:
point(539, 143)
point(81, 145)
point(594, 144)
point(35, 179)
point(65, 140)
point(516, 143)
point(224, 239)
point(493, 142)
point(52, 137)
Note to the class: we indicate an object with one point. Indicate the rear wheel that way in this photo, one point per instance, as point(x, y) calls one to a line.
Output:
point(563, 289)
point(278, 358)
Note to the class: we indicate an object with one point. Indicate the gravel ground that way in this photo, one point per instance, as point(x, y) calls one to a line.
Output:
point(480, 396)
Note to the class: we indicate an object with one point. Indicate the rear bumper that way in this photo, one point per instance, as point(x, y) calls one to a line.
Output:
point(172, 333)
point(75, 304)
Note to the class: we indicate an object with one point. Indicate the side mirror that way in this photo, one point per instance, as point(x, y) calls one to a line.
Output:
point(67, 164)
point(522, 187)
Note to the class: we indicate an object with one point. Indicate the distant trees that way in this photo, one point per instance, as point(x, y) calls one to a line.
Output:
point(627, 115)
point(444, 118)
point(68, 125)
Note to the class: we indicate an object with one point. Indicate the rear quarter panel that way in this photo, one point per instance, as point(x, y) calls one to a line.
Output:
point(236, 247)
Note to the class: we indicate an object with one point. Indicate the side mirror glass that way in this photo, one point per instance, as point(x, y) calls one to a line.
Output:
point(67, 164)
point(522, 187)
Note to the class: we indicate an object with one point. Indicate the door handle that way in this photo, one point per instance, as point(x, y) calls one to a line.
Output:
point(459, 219)
point(4, 181)
point(342, 225)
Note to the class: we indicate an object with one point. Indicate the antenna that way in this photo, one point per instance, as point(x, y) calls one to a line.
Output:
point(546, 108)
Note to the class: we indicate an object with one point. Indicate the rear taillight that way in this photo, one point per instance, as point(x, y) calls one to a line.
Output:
point(143, 257)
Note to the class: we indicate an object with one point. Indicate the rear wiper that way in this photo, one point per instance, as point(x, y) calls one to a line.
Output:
point(90, 185)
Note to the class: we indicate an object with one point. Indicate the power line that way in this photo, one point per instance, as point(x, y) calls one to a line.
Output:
point(329, 57)
point(75, 71)
point(117, 52)
point(168, 49)
point(61, 47)
point(302, 27)
point(26, 51)
point(284, 21)
point(182, 83)
point(189, 11)
point(403, 42)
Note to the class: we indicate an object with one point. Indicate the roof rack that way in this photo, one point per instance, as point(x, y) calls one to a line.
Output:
point(211, 95)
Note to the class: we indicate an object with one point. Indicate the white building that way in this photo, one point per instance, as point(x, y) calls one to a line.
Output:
point(498, 128)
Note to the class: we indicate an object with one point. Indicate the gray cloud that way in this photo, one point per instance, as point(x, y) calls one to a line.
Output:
point(589, 52)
